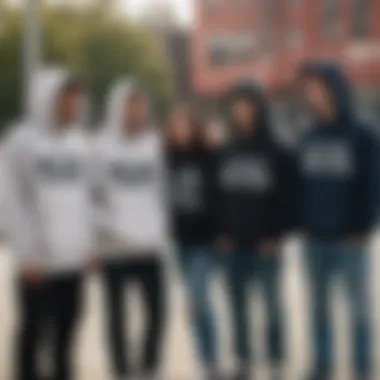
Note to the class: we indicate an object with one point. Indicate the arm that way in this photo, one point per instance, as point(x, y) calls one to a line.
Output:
point(368, 182)
point(289, 191)
point(218, 219)
point(283, 214)
point(22, 220)
point(100, 211)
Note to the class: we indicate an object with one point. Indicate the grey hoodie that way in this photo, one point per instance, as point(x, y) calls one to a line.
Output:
point(131, 180)
point(47, 175)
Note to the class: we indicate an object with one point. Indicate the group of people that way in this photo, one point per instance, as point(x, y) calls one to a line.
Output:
point(116, 201)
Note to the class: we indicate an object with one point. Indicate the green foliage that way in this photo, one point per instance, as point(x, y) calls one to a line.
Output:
point(99, 46)
point(10, 63)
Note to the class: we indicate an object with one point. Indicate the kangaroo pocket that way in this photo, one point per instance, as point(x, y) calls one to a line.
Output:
point(246, 219)
point(66, 227)
point(327, 208)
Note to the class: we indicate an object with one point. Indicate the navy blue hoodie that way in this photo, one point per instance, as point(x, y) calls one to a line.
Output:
point(338, 165)
point(255, 180)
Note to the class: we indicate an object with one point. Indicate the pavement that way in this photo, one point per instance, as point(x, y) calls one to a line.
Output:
point(179, 358)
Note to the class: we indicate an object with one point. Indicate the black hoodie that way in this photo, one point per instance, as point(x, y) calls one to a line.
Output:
point(191, 201)
point(254, 180)
point(339, 165)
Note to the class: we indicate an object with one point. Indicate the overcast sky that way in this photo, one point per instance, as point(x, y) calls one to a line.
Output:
point(182, 7)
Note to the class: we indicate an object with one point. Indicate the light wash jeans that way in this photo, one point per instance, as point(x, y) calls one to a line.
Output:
point(325, 259)
point(197, 264)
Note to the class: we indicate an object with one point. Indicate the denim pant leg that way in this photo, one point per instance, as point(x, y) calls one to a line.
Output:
point(269, 273)
point(238, 273)
point(321, 265)
point(197, 265)
point(355, 268)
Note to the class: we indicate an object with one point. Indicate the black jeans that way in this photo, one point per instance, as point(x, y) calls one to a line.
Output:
point(51, 310)
point(148, 272)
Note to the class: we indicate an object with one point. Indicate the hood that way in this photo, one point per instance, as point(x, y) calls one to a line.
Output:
point(254, 93)
point(118, 97)
point(45, 87)
point(334, 78)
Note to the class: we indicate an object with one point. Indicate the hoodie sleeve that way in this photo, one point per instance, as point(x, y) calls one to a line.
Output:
point(217, 210)
point(284, 218)
point(368, 181)
point(101, 215)
point(22, 222)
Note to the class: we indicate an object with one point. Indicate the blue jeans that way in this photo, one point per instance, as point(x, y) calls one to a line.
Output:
point(197, 264)
point(243, 268)
point(325, 259)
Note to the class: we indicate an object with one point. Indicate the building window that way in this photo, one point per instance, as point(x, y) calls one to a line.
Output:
point(267, 10)
point(294, 37)
point(331, 19)
point(239, 4)
point(224, 49)
point(362, 18)
point(268, 23)
point(212, 5)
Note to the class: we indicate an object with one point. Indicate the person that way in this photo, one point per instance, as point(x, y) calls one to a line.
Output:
point(339, 179)
point(191, 200)
point(255, 177)
point(131, 184)
point(215, 135)
point(46, 165)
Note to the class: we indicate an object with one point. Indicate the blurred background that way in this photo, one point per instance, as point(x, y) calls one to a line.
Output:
point(187, 50)
point(193, 49)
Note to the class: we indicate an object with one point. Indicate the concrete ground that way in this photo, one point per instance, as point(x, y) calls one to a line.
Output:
point(179, 359)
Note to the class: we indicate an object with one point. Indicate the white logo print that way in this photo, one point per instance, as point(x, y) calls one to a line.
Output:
point(247, 174)
point(331, 159)
point(187, 189)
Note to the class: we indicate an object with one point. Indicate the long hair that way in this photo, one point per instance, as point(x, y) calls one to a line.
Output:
point(196, 123)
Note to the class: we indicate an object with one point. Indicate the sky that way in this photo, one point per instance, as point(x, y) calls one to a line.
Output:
point(182, 8)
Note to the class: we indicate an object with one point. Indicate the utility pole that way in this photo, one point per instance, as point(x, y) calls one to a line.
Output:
point(32, 49)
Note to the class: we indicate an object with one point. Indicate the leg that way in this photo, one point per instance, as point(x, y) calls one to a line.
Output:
point(114, 281)
point(270, 276)
point(30, 331)
point(356, 271)
point(237, 283)
point(151, 277)
point(197, 269)
point(320, 265)
point(65, 297)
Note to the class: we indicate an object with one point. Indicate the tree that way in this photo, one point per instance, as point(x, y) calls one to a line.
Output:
point(97, 45)
point(10, 56)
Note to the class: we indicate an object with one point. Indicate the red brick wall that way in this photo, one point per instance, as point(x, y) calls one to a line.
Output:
point(361, 57)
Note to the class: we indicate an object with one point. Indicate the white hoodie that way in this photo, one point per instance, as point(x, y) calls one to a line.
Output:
point(47, 185)
point(132, 182)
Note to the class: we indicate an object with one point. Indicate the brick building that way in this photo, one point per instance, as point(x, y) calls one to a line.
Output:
point(267, 39)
